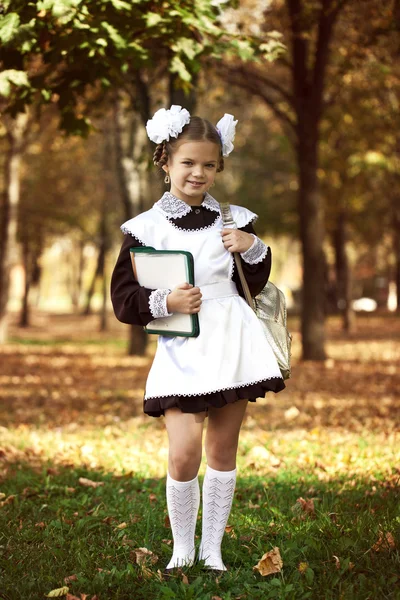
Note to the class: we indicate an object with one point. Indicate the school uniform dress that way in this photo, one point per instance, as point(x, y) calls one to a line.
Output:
point(231, 359)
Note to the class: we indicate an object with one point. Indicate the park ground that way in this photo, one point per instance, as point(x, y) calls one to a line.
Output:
point(82, 472)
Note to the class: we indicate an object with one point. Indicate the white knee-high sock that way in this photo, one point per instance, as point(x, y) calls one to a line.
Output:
point(218, 490)
point(183, 500)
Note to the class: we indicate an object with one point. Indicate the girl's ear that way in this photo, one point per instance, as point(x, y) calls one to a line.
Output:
point(165, 168)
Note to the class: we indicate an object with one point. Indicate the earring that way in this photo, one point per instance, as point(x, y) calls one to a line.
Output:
point(167, 179)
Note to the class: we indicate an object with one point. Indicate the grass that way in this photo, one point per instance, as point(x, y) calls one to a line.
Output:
point(54, 528)
point(318, 474)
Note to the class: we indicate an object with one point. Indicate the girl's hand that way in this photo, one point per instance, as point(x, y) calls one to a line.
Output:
point(184, 299)
point(236, 241)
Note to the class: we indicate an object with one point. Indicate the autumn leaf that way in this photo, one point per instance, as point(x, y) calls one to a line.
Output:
point(271, 562)
point(70, 578)
point(57, 593)
point(143, 554)
point(89, 483)
point(304, 508)
point(385, 542)
point(121, 526)
point(302, 567)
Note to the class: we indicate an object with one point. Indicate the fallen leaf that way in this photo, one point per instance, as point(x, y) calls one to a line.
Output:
point(89, 483)
point(302, 567)
point(70, 578)
point(304, 508)
point(385, 542)
point(167, 522)
point(337, 561)
point(121, 526)
point(271, 562)
point(152, 497)
point(142, 554)
point(185, 580)
point(57, 593)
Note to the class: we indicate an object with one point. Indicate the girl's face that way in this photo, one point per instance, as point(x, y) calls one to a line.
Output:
point(192, 170)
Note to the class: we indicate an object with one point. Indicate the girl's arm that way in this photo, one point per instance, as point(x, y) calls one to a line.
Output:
point(256, 265)
point(134, 304)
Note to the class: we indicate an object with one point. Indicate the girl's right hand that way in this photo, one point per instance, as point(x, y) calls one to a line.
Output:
point(184, 299)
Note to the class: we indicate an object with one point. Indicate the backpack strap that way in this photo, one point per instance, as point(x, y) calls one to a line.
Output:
point(229, 222)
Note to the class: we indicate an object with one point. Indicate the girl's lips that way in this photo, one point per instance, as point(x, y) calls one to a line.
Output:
point(196, 183)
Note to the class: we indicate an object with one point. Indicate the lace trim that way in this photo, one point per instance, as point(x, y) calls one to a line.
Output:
point(211, 203)
point(231, 387)
point(256, 253)
point(175, 208)
point(194, 230)
point(125, 231)
point(158, 303)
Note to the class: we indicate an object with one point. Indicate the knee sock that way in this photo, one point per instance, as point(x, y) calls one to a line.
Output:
point(183, 499)
point(218, 490)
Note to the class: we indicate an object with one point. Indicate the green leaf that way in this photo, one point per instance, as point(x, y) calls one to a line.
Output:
point(9, 27)
point(152, 19)
point(189, 47)
point(121, 5)
point(179, 67)
point(59, 8)
point(8, 76)
point(118, 40)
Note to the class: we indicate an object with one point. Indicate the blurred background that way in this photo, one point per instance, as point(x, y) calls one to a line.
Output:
point(315, 86)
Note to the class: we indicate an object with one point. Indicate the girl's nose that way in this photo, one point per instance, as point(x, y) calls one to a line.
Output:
point(198, 171)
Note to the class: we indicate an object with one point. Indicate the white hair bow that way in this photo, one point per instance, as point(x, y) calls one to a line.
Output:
point(226, 129)
point(167, 123)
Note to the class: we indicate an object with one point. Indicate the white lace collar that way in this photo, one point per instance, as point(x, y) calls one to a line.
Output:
point(175, 208)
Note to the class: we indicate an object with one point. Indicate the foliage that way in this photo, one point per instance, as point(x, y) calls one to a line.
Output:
point(54, 49)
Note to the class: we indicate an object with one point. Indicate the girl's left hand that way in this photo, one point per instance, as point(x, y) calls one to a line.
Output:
point(236, 241)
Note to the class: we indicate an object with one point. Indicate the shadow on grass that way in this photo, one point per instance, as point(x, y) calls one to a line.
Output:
point(54, 528)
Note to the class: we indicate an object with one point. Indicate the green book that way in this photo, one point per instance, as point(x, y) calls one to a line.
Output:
point(156, 269)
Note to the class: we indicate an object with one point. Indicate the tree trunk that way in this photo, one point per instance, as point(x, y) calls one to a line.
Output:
point(343, 272)
point(312, 230)
point(396, 246)
point(98, 271)
point(16, 130)
point(132, 148)
point(27, 262)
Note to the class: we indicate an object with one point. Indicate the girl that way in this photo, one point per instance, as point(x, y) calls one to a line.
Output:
point(215, 374)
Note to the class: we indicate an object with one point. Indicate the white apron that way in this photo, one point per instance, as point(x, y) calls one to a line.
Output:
point(231, 350)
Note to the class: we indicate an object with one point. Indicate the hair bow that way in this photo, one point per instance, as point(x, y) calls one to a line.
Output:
point(167, 123)
point(226, 129)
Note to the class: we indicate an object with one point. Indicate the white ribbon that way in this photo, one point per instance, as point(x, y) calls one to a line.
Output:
point(226, 129)
point(167, 123)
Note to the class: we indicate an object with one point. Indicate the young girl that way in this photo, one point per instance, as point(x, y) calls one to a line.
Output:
point(230, 362)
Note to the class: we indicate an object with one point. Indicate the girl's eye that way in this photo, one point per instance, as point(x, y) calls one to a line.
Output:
point(187, 162)
point(211, 166)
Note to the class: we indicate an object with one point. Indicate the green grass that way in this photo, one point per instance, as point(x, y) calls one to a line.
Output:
point(51, 531)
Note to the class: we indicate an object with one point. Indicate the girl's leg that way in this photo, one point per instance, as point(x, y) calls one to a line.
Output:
point(220, 478)
point(185, 432)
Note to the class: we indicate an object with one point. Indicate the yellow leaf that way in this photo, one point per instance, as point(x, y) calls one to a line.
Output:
point(89, 483)
point(58, 592)
point(121, 526)
point(302, 568)
point(271, 562)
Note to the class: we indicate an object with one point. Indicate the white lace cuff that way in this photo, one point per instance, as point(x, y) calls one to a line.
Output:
point(256, 253)
point(158, 303)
